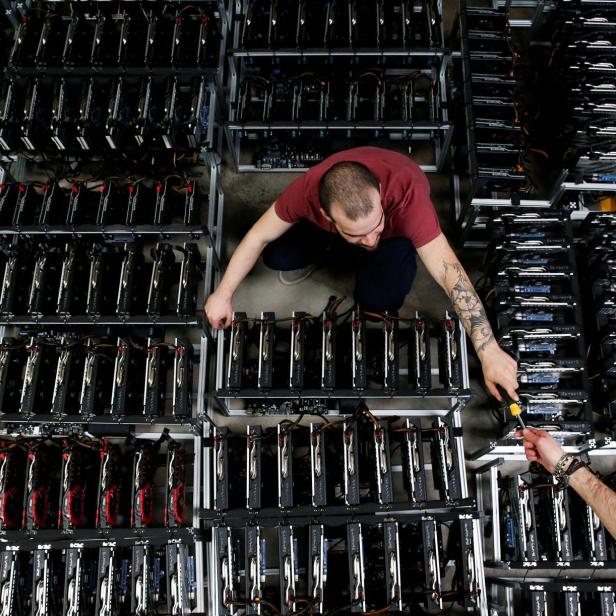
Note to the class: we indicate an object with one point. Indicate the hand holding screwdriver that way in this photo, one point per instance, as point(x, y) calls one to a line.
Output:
point(512, 405)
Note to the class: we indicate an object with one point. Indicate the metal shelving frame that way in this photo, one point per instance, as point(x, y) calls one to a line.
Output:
point(212, 142)
point(209, 237)
point(433, 61)
point(435, 404)
point(214, 600)
point(495, 457)
point(26, 541)
point(462, 509)
point(472, 212)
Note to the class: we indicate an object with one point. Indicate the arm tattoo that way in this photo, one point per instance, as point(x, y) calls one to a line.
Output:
point(467, 305)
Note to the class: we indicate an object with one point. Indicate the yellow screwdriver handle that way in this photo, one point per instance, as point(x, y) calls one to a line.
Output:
point(514, 407)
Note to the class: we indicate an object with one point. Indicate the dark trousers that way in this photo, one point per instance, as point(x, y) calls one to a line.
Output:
point(383, 277)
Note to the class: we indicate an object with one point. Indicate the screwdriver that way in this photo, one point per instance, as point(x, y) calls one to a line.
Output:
point(514, 407)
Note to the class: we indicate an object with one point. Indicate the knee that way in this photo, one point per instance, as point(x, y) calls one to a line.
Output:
point(397, 249)
point(274, 258)
point(384, 299)
point(284, 257)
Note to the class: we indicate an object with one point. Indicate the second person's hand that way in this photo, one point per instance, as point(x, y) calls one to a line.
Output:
point(540, 446)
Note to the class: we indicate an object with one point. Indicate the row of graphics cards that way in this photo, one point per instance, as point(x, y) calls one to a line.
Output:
point(56, 36)
point(268, 24)
point(50, 483)
point(354, 567)
point(87, 376)
point(347, 462)
point(144, 579)
point(332, 353)
point(371, 96)
point(104, 204)
point(572, 597)
point(97, 279)
point(104, 114)
point(495, 149)
point(544, 524)
point(533, 296)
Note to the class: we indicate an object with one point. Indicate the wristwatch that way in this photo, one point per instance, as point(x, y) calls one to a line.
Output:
point(565, 467)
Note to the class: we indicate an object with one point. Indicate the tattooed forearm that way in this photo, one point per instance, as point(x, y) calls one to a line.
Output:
point(467, 305)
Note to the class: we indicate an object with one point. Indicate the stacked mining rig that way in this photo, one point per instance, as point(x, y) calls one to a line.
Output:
point(499, 162)
point(596, 261)
point(532, 292)
point(109, 235)
point(579, 101)
point(321, 497)
point(537, 155)
point(536, 534)
point(307, 79)
point(535, 97)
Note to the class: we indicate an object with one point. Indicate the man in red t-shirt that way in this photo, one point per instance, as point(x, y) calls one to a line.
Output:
point(369, 208)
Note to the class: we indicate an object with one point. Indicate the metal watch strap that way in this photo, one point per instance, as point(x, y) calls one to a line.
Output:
point(563, 463)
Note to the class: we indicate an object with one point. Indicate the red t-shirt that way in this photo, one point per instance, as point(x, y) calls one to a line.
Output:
point(405, 195)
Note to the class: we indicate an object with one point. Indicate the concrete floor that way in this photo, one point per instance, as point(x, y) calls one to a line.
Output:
point(247, 196)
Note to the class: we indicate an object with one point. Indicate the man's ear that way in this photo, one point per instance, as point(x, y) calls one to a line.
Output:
point(325, 215)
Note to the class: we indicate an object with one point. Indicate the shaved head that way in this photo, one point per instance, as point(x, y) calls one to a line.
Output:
point(352, 188)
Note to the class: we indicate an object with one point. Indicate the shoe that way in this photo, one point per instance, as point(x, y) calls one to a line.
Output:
point(292, 277)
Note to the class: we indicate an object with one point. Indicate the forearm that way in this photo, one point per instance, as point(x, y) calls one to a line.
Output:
point(467, 304)
point(596, 494)
point(242, 261)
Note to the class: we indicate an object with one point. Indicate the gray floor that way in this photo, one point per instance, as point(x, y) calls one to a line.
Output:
point(248, 195)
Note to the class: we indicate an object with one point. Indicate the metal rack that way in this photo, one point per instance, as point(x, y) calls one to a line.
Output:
point(507, 457)
point(405, 135)
point(225, 535)
point(56, 541)
point(206, 139)
point(435, 400)
point(568, 189)
point(207, 234)
point(474, 201)
point(229, 521)
point(229, 525)
point(209, 237)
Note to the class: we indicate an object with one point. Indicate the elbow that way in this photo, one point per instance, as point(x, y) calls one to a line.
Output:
point(256, 241)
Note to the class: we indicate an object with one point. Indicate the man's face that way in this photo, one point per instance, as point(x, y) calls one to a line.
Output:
point(364, 232)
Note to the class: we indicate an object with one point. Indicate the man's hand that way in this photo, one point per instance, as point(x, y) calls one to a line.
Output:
point(499, 368)
point(540, 446)
point(218, 310)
